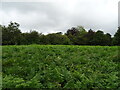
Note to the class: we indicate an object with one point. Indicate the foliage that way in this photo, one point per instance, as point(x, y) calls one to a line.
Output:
point(116, 39)
point(11, 35)
point(30, 38)
point(58, 66)
point(76, 35)
point(57, 39)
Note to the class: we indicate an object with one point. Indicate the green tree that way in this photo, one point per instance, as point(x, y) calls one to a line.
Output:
point(11, 34)
point(98, 38)
point(30, 38)
point(107, 39)
point(89, 37)
point(57, 39)
point(77, 35)
point(116, 39)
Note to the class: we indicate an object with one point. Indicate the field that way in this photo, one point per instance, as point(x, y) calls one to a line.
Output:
point(50, 66)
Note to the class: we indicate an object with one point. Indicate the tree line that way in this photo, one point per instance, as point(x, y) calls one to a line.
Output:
point(12, 35)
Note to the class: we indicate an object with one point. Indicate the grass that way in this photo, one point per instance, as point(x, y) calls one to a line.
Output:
point(60, 66)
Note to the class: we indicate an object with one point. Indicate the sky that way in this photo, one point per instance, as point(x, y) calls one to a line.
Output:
point(50, 16)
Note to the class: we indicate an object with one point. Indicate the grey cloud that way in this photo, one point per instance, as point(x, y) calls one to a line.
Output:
point(49, 17)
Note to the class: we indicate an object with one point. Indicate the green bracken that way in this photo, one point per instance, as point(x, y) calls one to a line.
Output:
point(60, 66)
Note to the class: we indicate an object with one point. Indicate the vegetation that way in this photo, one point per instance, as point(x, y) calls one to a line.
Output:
point(60, 66)
point(11, 35)
point(55, 62)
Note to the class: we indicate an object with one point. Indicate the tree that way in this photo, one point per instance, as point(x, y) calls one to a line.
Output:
point(57, 39)
point(98, 38)
point(89, 37)
point(30, 38)
point(107, 39)
point(11, 34)
point(81, 30)
point(77, 35)
point(116, 39)
point(43, 40)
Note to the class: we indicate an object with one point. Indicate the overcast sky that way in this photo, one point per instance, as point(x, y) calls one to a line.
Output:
point(49, 17)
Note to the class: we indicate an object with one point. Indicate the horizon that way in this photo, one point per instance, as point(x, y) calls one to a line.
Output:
point(50, 17)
